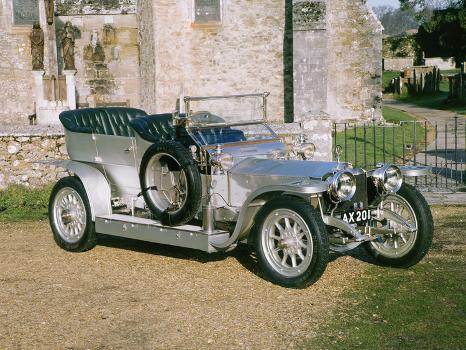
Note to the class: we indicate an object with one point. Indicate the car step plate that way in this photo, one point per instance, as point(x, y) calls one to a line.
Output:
point(187, 236)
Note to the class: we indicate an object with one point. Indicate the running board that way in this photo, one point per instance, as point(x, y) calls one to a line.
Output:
point(142, 229)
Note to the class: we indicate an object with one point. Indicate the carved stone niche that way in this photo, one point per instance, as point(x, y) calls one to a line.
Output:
point(309, 15)
point(109, 35)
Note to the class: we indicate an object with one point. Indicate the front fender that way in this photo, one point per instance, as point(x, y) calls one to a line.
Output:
point(253, 203)
point(415, 170)
point(96, 185)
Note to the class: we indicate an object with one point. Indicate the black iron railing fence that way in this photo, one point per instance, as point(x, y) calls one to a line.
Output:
point(441, 145)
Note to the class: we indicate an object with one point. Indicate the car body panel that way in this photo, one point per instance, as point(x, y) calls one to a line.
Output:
point(95, 183)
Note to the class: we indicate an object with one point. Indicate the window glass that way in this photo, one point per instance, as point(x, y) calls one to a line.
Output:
point(207, 11)
point(25, 12)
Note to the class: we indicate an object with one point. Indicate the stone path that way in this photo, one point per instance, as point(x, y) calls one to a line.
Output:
point(449, 158)
point(445, 198)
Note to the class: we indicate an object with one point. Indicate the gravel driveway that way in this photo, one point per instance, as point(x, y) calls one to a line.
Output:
point(129, 294)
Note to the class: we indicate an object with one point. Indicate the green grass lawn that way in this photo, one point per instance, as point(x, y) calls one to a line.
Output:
point(388, 144)
point(423, 307)
point(21, 203)
point(387, 76)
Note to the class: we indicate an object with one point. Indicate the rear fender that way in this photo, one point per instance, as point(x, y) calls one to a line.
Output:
point(96, 185)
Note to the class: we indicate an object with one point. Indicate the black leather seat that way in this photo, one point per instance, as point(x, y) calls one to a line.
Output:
point(157, 127)
point(106, 121)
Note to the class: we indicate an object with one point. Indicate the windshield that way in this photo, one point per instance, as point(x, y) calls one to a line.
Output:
point(232, 134)
point(226, 110)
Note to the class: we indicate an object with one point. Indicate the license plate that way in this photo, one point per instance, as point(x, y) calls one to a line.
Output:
point(354, 217)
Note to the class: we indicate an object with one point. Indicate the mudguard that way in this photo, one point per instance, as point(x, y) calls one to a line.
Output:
point(254, 203)
point(97, 187)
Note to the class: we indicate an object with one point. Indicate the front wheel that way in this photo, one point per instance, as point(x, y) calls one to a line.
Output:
point(291, 243)
point(70, 216)
point(399, 247)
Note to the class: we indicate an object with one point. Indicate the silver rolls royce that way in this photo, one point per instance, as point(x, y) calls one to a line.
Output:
point(213, 174)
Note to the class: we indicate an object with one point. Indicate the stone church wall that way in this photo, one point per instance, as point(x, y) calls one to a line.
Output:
point(339, 62)
point(242, 55)
point(354, 61)
point(106, 51)
point(147, 57)
point(15, 69)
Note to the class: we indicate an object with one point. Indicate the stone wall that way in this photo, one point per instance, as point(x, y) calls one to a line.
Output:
point(243, 54)
point(147, 58)
point(20, 150)
point(106, 58)
point(310, 56)
point(354, 61)
point(16, 88)
point(399, 63)
point(445, 63)
point(340, 59)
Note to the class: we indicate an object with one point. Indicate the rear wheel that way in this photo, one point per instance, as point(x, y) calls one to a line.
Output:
point(70, 216)
point(400, 247)
point(291, 242)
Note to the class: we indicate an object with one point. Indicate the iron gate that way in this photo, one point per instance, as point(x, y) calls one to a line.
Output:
point(441, 146)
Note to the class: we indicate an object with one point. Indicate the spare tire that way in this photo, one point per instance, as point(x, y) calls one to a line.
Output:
point(170, 183)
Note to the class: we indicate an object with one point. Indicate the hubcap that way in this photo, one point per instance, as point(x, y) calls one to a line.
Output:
point(287, 242)
point(399, 241)
point(172, 188)
point(69, 214)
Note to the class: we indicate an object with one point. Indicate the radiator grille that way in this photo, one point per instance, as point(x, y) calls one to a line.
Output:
point(359, 196)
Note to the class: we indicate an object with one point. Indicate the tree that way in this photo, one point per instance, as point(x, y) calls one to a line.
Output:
point(424, 8)
point(396, 21)
point(443, 30)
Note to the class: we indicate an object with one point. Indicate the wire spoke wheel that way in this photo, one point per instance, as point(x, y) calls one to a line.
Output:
point(69, 215)
point(398, 242)
point(291, 242)
point(288, 242)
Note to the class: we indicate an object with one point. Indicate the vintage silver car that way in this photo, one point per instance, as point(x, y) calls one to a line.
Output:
point(213, 174)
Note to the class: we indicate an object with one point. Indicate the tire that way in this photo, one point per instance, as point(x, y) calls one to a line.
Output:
point(412, 248)
point(275, 255)
point(171, 159)
point(70, 216)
